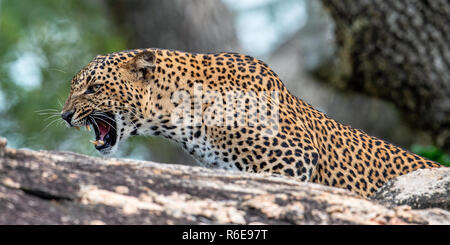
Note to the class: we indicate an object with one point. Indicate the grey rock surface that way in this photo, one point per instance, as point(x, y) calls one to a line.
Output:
point(42, 187)
point(424, 188)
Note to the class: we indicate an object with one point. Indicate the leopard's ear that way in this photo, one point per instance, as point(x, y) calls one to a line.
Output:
point(142, 64)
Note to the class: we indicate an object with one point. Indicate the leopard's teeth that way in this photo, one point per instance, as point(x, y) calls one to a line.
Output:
point(99, 142)
point(77, 128)
point(88, 128)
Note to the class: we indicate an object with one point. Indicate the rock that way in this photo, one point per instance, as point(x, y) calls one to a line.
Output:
point(424, 188)
point(42, 187)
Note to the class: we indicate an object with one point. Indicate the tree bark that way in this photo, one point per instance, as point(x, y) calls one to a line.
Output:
point(310, 47)
point(67, 188)
point(193, 26)
point(398, 50)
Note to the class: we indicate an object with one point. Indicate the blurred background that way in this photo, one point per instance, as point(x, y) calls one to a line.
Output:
point(338, 56)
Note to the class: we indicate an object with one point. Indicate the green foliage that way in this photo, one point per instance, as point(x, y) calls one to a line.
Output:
point(43, 44)
point(432, 153)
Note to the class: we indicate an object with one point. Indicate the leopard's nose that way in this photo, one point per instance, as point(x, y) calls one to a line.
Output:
point(67, 116)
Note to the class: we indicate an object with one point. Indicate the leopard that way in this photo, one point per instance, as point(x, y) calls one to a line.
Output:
point(229, 111)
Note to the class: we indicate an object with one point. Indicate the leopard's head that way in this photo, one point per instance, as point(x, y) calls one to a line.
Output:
point(110, 95)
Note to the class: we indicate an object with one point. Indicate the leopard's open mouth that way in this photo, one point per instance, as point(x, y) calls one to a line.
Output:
point(105, 129)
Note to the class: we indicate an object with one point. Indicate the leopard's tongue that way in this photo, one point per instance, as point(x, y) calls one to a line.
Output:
point(103, 129)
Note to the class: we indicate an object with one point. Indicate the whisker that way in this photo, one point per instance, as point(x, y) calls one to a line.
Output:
point(59, 102)
point(99, 112)
point(47, 110)
point(134, 125)
point(105, 122)
point(57, 69)
point(49, 113)
point(93, 120)
point(51, 117)
point(103, 115)
point(60, 123)
point(52, 122)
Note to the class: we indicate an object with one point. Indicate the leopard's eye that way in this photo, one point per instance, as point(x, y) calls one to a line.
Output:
point(92, 89)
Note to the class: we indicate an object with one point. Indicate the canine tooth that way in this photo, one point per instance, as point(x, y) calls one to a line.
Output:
point(88, 128)
point(77, 128)
point(101, 142)
point(94, 142)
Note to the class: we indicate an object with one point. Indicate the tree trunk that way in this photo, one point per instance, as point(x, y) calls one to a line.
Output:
point(67, 188)
point(398, 50)
point(310, 47)
point(193, 26)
